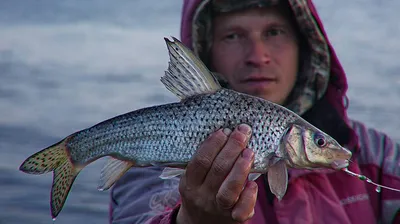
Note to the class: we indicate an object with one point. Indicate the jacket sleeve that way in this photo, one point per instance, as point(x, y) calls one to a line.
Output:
point(390, 171)
point(140, 196)
point(379, 158)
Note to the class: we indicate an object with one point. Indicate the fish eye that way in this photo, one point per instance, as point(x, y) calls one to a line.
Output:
point(319, 140)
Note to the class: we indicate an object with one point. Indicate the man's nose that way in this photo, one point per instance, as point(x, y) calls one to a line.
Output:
point(257, 52)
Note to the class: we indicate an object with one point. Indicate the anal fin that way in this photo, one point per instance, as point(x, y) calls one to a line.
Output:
point(112, 171)
point(278, 179)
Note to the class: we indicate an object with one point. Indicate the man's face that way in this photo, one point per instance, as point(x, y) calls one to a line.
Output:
point(256, 51)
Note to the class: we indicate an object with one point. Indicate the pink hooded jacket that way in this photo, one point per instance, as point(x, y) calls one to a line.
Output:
point(329, 197)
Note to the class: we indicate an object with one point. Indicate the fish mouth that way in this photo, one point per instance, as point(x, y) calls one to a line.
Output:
point(340, 164)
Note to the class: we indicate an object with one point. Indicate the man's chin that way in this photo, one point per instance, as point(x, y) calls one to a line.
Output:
point(260, 94)
point(261, 91)
point(265, 96)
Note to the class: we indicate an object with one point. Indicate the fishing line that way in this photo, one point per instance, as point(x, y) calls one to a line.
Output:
point(364, 178)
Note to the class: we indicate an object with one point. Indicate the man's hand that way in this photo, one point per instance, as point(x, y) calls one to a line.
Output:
point(214, 188)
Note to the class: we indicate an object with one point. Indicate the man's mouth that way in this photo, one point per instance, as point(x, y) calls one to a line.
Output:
point(258, 81)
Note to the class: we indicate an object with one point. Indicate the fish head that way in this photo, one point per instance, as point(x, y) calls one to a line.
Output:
point(308, 147)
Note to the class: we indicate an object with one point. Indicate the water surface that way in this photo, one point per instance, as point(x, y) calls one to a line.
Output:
point(66, 65)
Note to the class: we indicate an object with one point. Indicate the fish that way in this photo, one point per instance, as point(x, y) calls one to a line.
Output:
point(168, 135)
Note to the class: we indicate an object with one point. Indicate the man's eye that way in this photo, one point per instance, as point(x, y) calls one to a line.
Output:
point(232, 36)
point(275, 32)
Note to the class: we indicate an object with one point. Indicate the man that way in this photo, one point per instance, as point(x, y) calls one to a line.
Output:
point(277, 50)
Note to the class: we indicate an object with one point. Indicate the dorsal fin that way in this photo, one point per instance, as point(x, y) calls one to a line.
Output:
point(187, 75)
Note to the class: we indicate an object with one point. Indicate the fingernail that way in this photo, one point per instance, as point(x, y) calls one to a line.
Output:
point(248, 154)
point(254, 186)
point(245, 129)
point(251, 214)
point(227, 131)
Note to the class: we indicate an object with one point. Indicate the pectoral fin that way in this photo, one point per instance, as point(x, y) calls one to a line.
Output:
point(253, 176)
point(170, 172)
point(278, 179)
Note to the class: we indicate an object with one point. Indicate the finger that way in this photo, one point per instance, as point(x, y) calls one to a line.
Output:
point(224, 161)
point(244, 208)
point(201, 162)
point(232, 186)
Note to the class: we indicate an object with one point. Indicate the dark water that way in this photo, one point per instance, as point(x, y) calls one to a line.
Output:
point(66, 65)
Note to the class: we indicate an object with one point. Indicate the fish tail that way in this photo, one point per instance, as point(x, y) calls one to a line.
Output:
point(54, 158)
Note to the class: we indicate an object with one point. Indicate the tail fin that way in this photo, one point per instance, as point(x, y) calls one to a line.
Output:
point(54, 158)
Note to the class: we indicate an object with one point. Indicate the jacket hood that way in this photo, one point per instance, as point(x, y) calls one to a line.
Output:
point(323, 75)
point(323, 78)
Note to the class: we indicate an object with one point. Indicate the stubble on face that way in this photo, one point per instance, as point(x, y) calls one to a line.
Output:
point(256, 52)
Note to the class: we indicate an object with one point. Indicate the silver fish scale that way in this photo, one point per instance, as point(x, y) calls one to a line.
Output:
point(171, 133)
